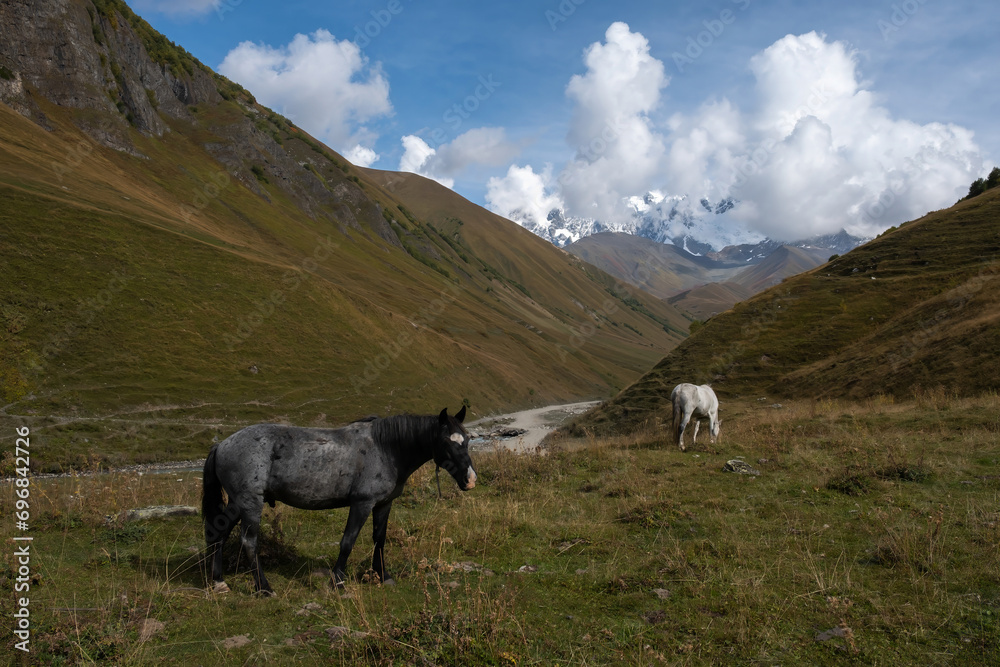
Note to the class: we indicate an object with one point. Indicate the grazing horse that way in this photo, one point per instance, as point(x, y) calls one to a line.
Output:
point(697, 401)
point(363, 465)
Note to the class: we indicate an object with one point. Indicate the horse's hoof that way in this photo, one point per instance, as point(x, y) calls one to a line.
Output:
point(389, 581)
point(220, 587)
point(266, 593)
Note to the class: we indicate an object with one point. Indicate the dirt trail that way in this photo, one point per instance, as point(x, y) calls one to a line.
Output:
point(538, 422)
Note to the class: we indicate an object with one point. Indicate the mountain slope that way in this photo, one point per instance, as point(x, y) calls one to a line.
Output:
point(178, 259)
point(708, 300)
point(661, 269)
point(668, 272)
point(919, 307)
point(783, 262)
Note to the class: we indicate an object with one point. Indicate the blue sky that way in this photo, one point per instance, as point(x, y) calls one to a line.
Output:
point(508, 67)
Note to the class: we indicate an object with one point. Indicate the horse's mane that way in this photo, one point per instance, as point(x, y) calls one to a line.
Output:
point(402, 428)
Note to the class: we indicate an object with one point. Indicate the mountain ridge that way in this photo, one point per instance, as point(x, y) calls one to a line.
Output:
point(703, 229)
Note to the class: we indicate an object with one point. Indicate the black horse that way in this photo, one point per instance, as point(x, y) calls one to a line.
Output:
point(363, 466)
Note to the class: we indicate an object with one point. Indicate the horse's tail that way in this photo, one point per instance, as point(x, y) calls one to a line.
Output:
point(677, 417)
point(212, 506)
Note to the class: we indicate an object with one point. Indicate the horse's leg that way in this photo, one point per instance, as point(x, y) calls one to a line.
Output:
point(249, 531)
point(685, 418)
point(355, 520)
point(380, 524)
point(217, 532)
point(694, 438)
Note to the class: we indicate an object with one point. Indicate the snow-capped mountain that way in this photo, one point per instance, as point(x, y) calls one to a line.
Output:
point(699, 227)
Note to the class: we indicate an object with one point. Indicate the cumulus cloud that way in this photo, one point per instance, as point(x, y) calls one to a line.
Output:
point(618, 150)
point(327, 86)
point(487, 146)
point(828, 156)
point(416, 154)
point(814, 153)
point(361, 156)
point(523, 195)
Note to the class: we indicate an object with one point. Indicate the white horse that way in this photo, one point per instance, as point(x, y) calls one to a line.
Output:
point(698, 401)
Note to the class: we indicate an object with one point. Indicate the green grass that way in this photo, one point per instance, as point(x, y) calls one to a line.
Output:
point(636, 553)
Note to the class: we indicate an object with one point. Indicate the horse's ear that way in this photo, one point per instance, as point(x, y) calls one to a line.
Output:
point(461, 415)
point(443, 417)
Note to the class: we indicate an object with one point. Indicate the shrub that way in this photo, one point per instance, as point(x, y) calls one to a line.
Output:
point(993, 180)
point(978, 187)
point(981, 185)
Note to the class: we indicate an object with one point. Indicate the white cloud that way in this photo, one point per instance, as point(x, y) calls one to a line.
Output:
point(523, 195)
point(487, 146)
point(325, 85)
point(416, 154)
point(179, 7)
point(618, 150)
point(829, 157)
point(815, 154)
point(361, 156)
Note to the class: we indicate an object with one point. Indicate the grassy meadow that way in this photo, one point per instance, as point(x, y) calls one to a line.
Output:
point(870, 537)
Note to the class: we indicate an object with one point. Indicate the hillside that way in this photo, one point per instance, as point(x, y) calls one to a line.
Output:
point(661, 269)
point(179, 260)
point(785, 261)
point(915, 310)
point(708, 300)
point(688, 281)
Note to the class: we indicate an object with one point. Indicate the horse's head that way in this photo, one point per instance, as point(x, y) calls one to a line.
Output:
point(716, 427)
point(451, 451)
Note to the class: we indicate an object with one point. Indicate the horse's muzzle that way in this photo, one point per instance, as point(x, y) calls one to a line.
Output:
point(471, 479)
